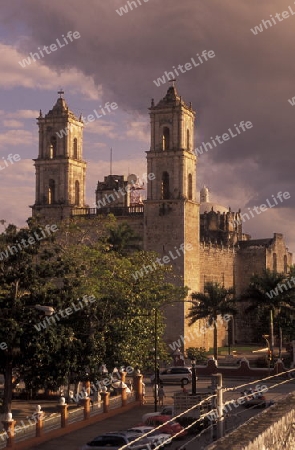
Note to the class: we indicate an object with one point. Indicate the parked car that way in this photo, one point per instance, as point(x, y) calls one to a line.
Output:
point(254, 399)
point(181, 375)
point(171, 428)
point(155, 437)
point(166, 411)
point(114, 441)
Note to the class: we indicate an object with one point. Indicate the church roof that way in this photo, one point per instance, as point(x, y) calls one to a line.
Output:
point(171, 99)
point(266, 242)
point(61, 109)
point(209, 206)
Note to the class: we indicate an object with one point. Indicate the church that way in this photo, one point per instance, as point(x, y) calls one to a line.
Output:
point(173, 216)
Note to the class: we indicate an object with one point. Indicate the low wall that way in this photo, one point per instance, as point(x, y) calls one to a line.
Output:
point(242, 370)
point(273, 429)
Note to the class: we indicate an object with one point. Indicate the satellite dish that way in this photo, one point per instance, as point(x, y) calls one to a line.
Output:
point(132, 178)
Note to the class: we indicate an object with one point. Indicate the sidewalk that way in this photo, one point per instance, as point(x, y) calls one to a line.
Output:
point(78, 433)
point(114, 422)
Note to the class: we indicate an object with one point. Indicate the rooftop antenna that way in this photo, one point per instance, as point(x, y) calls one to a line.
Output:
point(111, 161)
point(172, 82)
point(60, 92)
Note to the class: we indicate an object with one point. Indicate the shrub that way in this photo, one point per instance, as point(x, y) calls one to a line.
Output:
point(196, 353)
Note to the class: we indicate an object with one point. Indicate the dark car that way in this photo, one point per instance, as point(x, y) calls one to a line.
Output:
point(114, 441)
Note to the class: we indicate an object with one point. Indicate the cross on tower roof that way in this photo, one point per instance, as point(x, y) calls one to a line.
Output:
point(60, 92)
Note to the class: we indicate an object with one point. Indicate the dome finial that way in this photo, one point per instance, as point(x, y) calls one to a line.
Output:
point(204, 195)
point(172, 82)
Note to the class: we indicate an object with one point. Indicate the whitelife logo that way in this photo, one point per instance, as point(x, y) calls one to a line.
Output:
point(164, 260)
point(11, 158)
point(125, 9)
point(91, 118)
point(24, 243)
point(269, 23)
point(71, 36)
point(65, 313)
point(274, 292)
point(263, 207)
point(185, 67)
point(244, 126)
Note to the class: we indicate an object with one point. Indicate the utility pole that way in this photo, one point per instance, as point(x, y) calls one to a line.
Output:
point(155, 361)
point(219, 406)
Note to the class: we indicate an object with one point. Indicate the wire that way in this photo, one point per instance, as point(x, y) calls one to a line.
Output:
point(206, 414)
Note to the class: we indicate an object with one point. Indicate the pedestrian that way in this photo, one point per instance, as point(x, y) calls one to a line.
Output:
point(161, 395)
point(143, 394)
point(71, 396)
point(183, 388)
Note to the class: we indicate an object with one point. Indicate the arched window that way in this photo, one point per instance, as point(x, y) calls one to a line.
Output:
point(51, 192)
point(190, 187)
point(75, 149)
point(166, 138)
point(187, 140)
point(165, 186)
point(285, 264)
point(274, 262)
point(53, 147)
point(77, 193)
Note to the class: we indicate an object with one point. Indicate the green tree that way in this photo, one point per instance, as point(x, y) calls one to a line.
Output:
point(270, 300)
point(117, 328)
point(216, 300)
point(122, 237)
point(32, 271)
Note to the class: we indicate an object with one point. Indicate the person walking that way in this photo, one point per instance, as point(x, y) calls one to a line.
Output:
point(161, 395)
point(142, 394)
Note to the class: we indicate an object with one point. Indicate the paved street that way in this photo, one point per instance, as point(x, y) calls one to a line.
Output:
point(235, 417)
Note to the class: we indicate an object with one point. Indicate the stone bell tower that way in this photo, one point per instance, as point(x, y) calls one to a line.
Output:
point(60, 169)
point(171, 210)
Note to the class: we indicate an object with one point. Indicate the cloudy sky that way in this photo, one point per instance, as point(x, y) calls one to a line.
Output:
point(117, 58)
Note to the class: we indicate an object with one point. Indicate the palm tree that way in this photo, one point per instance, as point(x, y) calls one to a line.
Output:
point(122, 237)
point(216, 300)
point(270, 296)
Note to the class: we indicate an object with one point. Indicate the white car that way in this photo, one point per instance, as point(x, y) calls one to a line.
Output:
point(181, 375)
point(156, 438)
point(167, 411)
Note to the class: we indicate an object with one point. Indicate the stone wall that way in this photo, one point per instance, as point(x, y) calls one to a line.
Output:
point(217, 263)
point(273, 429)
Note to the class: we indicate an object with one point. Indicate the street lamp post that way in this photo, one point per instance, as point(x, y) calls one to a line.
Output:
point(269, 354)
point(194, 377)
point(156, 360)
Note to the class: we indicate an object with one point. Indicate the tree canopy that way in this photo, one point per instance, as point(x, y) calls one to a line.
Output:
point(62, 271)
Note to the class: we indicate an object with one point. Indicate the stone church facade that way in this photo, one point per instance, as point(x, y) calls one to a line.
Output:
point(206, 239)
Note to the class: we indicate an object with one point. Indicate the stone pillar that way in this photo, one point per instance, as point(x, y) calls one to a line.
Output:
point(87, 387)
point(138, 386)
point(86, 404)
point(39, 427)
point(123, 376)
point(39, 421)
point(122, 390)
point(106, 400)
point(9, 425)
point(63, 408)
